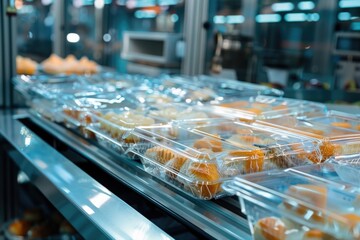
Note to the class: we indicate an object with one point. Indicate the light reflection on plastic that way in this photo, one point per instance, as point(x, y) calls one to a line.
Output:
point(107, 37)
point(27, 141)
point(306, 5)
point(73, 37)
point(66, 190)
point(87, 209)
point(41, 164)
point(349, 3)
point(282, 7)
point(99, 199)
point(268, 18)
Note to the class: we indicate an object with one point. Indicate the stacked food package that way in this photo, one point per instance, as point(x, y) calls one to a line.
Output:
point(285, 158)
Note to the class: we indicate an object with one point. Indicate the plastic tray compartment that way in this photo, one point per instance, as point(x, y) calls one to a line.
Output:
point(198, 163)
point(265, 107)
point(279, 148)
point(346, 172)
point(114, 127)
point(228, 87)
point(188, 90)
point(339, 119)
point(335, 141)
point(148, 96)
point(69, 90)
point(184, 113)
point(293, 205)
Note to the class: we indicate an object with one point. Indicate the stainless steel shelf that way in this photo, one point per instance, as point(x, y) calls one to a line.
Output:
point(92, 209)
point(208, 216)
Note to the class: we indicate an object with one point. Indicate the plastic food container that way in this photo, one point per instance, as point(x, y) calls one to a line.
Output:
point(338, 119)
point(188, 90)
point(265, 107)
point(114, 127)
point(200, 160)
point(345, 172)
point(335, 141)
point(148, 96)
point(294, 205)
point(69, 90)
point(228, 87)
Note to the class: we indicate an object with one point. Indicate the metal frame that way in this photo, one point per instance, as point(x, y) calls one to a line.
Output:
point(59, 28)
point(2, 67)
point(196, 14)
point(91, 208)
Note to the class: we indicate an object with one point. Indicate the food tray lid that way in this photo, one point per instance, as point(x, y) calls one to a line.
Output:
point(242, 87)
point(338, 119)
point(100, 101)
point(265, 107)
point(315, 202)
point(285, 149)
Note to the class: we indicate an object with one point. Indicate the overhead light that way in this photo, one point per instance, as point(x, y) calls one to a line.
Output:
point(313, 17)
point(99, 4)
point(306, 5)
point(73, 37)
point(107, 37)
point(282, 7)
point(233, 19)
point(219, 19)
point(349, 3)
point(344, 16)
point(174, 18)
point(295, 17)
point(145, 14)
point(268, 18)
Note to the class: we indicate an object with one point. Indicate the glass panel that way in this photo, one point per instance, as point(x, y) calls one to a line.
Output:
point(35, 21)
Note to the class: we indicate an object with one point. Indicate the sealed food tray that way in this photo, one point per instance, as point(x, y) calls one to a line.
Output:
point(335, 141)
point(293, 205)
point(115, 127)
point(228, 87)
point(199, 163)
point(265, 107)
point(338, 119)
point(346, 172)
point(188, 90)
point(181, 112)
point(148, 95)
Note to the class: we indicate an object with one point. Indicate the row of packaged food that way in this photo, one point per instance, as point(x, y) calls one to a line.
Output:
point(218, 139)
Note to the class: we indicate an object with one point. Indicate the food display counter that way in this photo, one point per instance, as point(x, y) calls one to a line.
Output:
point(134, 157)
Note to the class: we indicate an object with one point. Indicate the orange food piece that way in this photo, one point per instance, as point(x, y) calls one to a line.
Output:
point(253, 110)
point(327, 150)
point(353, 219)
point(341, 124)
point(253, 159)
point(19, 227)
point(357, 127)
point(214, 145)
point(176, 164)
point(160, 154)
point(280, 107)
point(260, 105)
point(312, 194)
point(272, 228)
point(250, 139)
point(207, 177)
point(237, 104)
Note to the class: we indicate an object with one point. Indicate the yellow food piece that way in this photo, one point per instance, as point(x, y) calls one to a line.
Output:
point(252, 160)
point(272, 228)
point(341, 124)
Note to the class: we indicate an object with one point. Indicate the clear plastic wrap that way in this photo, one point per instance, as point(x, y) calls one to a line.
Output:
point(200, 160)
point(335, 141)
point(291, 204)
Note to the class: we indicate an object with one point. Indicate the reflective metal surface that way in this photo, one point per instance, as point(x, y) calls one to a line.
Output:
point(92, 209)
